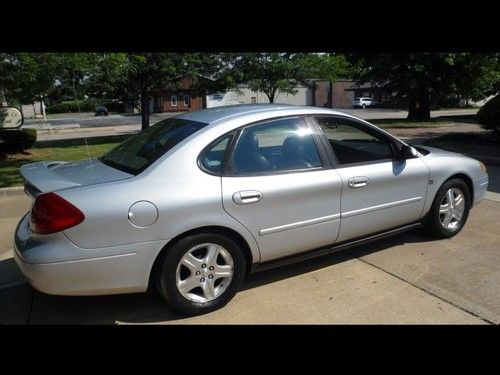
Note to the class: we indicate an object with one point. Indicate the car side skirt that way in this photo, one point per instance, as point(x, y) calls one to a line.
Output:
point(257, 267)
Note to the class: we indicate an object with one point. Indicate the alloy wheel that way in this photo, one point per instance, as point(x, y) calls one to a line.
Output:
point(204, 272)
point(452, 208)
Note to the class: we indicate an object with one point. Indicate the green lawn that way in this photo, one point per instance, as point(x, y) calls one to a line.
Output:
point(63, 150)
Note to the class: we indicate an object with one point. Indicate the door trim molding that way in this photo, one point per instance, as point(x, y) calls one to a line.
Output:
point(300, 257)
point(299, 224)
point(380, 207)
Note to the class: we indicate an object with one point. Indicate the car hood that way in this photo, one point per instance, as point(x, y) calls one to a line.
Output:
point(49, 176)
point(437, 151)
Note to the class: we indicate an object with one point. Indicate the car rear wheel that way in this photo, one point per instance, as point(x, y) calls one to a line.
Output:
point(201, 273)
point(450, 209)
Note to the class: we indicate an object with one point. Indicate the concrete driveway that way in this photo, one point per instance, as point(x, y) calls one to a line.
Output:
point(411, 278)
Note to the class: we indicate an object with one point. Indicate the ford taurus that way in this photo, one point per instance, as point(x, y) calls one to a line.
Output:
point(195, 202)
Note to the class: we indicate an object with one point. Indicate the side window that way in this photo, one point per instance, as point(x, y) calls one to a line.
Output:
point(352, 144)
point(278, 145)
point(213, 159)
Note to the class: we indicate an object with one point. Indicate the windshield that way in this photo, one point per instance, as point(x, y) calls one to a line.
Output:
point(142, 149)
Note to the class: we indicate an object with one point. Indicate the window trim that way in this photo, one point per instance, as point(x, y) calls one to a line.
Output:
point(188, 100)
point(228, 170)
point(172, 100)
point(360, 126)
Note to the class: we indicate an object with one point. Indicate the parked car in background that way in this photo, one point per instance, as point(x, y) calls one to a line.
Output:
point(195, 202)
point(363, 102)
point(101, 111)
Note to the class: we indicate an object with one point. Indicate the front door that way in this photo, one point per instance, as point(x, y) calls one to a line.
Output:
point(379, 190)
point(281, 189)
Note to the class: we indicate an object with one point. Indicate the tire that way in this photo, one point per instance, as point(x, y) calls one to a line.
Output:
point(363, 106)
point(436, 221)
point(201, 298)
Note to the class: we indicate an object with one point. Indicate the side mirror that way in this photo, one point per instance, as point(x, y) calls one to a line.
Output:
point(407, 152)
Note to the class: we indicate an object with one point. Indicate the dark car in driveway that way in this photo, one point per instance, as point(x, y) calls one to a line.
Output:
point(101, 111)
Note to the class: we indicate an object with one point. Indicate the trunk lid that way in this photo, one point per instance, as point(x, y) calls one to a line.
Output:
point(47, 176)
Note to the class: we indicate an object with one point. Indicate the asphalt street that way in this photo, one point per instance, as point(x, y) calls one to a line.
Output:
point(89, 120)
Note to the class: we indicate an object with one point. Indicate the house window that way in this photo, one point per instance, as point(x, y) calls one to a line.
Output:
point(186, 100)
point(173, 100)
point(253, 99)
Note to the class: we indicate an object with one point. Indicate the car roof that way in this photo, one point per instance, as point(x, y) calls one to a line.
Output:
point(216, 114)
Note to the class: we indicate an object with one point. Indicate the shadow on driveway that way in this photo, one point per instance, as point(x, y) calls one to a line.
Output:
point(25, 305)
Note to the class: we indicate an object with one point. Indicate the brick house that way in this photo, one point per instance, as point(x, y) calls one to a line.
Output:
point(182, 98)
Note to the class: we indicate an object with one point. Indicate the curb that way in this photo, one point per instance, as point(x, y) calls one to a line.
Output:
point(10, 191)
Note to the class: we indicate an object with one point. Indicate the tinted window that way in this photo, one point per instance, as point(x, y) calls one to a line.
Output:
point(353, 144)
point(142, 149)
point(279, 145)
point(213, 158)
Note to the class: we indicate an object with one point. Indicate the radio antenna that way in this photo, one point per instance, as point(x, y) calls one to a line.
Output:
point(84, 132)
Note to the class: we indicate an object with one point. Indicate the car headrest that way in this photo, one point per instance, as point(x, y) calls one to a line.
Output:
point(249, 143)
point(293, 146)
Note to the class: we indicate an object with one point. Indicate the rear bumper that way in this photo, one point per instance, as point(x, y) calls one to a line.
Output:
point(48, 268)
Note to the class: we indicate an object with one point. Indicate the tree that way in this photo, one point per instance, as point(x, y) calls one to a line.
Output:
point(478, 76)
point(135, 77)
point(273, 73)
point(419, 77)
point(25, 77)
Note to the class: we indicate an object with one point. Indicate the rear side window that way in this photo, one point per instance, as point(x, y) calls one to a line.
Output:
point(142, 149)
point(275, 146)
point(212, 160)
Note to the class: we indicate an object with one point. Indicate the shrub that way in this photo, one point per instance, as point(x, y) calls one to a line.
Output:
point(17, 140)
point(488, 115)
point(71, 106)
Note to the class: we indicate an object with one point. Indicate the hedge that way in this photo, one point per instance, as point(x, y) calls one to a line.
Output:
point(488, 115)
point(71, 106)
point(17, 140)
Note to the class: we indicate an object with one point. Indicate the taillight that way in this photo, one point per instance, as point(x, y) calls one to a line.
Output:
point(51, 213)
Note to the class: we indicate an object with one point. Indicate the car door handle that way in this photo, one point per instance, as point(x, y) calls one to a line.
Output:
point(247, 196)
point(358, 182)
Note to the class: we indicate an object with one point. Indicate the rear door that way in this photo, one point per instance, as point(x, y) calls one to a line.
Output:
point(379, 190)
point(279, 185)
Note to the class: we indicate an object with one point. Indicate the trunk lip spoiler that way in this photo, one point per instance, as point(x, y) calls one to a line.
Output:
point(39, 178)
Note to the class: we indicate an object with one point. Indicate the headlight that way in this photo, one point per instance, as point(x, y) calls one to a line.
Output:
point(482, 166)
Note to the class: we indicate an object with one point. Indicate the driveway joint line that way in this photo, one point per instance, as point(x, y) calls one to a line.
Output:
point(428, 292)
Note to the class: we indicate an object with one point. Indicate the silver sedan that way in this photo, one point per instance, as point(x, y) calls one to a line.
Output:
point(197, 201)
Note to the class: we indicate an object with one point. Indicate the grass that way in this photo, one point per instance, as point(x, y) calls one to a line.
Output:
point(62, 150)
point(408, 124)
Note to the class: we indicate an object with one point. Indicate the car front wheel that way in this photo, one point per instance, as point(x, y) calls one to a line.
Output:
point(450, 209)
point(201, 273)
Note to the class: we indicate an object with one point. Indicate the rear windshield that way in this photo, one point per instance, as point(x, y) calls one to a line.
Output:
point(142, 149)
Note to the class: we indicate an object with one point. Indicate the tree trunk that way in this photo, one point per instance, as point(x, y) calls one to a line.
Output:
point(412, 105)
point(144, 110)
point(424, 108)
point(419, 105)
point(271, 95)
